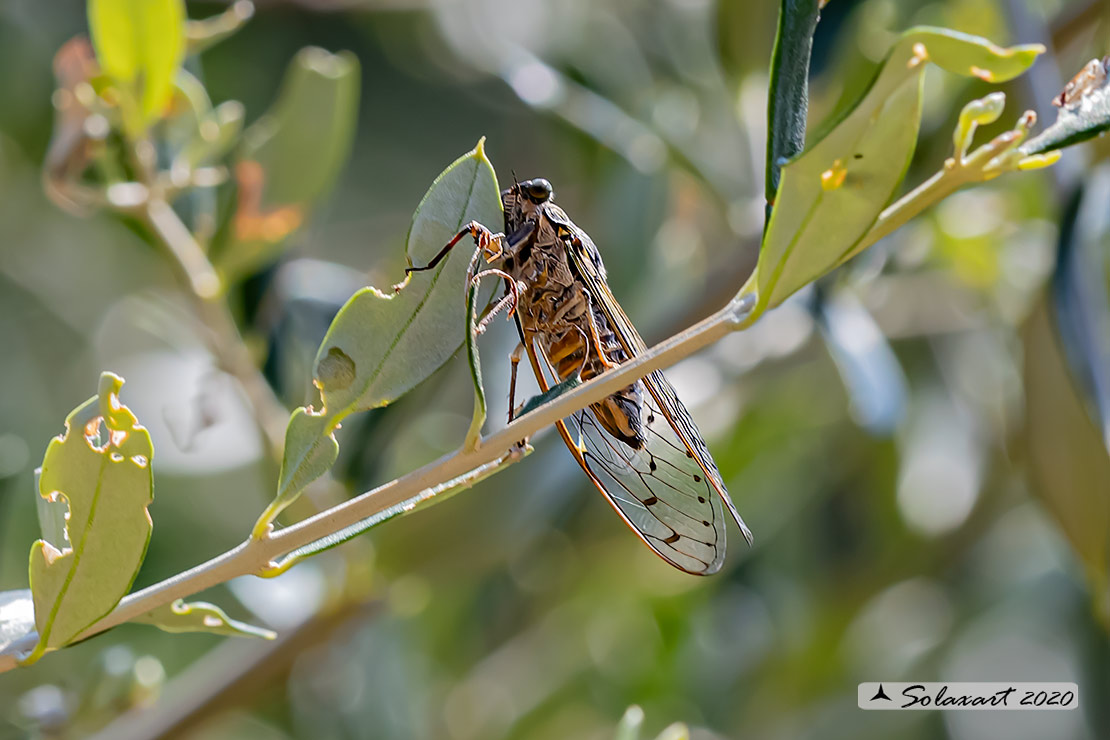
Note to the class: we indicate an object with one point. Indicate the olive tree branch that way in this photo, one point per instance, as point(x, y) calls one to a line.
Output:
point(258, 556)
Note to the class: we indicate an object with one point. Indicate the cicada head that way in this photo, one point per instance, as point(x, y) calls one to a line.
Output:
point(523, 200)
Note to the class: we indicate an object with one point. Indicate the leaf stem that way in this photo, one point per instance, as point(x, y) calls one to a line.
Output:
point(257, 556)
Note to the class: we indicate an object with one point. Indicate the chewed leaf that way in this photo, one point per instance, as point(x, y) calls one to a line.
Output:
point(200, 616)
point(141, 44)
point(17, 621)
point(832, 193)
point(101, 468)
point(381, 345)
point(291, 157)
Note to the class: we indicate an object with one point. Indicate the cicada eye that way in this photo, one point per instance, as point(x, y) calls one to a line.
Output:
point(538, 189)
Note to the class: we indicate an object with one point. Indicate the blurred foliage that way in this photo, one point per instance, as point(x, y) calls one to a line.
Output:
point(936, 545)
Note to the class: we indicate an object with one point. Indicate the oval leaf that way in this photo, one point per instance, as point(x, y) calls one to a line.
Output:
point(292, 156)
point(200, 616)
point(141, 44)
point(380, 346)
point(831, 194)
point(101, 467)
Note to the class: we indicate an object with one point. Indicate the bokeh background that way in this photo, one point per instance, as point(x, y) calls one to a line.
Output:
point(918, 442)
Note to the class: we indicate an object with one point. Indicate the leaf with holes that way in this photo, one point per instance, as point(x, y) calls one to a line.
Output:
point(101, 468)
point(380, 345)
point(200, 616)
point(832, 193)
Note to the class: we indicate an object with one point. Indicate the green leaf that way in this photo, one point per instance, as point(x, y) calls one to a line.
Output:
point(200, 616)
point(292, 156)
point(474, 433)
point(1068, 458)
point(310, 451)
point(140, 44)
point(381, 346)
point(550, 394)
point(101, 467)
point(832, 193)
point(1089, 117)
point(17, 621)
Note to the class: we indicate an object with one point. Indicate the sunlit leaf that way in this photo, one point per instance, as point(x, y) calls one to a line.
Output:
point(101, 467)
point(140, 43)
point(200, 616)
point(17, 620)
point(831, 194)
point(292, 156)
point(382, 345)
point(1068, 459)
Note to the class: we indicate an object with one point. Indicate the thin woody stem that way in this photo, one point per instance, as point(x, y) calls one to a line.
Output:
point(254, 557)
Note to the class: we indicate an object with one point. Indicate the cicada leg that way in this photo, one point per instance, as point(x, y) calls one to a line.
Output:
point(491, 245)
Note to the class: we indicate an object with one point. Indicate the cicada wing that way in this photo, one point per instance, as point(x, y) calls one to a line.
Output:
point(659, 490)
point(663, 393)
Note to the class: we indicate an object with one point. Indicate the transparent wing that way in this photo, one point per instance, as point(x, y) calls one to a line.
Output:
point(661, 490)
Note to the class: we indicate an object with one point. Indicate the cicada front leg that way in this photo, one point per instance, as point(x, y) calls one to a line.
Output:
point(491, 245)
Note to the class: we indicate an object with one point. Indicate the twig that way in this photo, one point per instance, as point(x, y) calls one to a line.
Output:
point(257, 556)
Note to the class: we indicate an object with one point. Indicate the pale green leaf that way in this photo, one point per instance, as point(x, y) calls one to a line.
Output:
point(17, 621)
point(310, 451)
point(101, 467)
point(140, 44)
point(292, 156)
point(200, 616)
point(382, 345)
point(474, 433)
point(832, 193)
point(379, 345)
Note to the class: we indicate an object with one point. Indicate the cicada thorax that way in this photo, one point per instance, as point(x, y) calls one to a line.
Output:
point(557, 311)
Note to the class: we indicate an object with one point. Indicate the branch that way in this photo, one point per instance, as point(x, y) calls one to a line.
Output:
point(257, 556)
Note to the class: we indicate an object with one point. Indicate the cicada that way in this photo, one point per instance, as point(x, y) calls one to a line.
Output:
point(638, 446)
